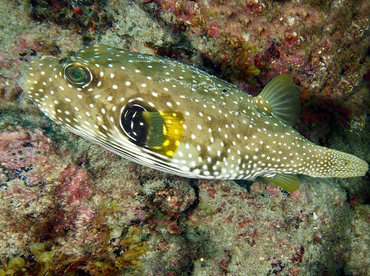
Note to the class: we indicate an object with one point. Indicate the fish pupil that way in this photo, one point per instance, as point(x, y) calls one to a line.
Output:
point(77, 75)
point(134, 124)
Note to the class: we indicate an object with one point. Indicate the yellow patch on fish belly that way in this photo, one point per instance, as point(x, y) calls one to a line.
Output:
point(178, 119)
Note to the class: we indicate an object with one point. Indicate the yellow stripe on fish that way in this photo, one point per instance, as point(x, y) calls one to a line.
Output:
point(176, 118)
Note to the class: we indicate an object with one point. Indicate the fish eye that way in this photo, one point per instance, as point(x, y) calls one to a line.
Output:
point(134, 124)
point(76, 74)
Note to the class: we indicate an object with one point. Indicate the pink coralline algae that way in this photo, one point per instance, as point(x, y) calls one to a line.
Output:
point(29, 164)
point(73, 184)
point(23, 156)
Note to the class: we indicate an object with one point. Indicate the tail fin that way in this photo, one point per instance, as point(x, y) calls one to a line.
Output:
point(334, 163)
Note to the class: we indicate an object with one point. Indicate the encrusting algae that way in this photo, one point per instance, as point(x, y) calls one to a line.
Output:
point(18, 266)
point(14, 266)
point(42, 262)
point(135, 250)
point(175, 118)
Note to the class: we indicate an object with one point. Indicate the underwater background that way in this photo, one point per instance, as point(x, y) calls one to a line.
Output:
point(69, 207)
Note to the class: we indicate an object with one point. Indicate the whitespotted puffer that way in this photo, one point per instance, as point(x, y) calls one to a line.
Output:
point(178, 119)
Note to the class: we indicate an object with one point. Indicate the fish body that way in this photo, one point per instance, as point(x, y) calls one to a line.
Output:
point(178, 119)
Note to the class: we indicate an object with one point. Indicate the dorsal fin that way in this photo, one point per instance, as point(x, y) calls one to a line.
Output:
point(280, 98)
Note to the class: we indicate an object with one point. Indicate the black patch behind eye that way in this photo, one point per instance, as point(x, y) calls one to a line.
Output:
point(134, 124)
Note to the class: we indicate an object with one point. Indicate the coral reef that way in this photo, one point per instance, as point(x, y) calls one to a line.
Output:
point(71, 208)
point(84, 17)
point(277, 241)
point(248, 42)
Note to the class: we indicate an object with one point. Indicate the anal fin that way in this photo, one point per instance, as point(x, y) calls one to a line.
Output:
point(289, 182)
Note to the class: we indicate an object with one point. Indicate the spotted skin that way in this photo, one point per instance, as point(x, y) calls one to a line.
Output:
point(225, 134)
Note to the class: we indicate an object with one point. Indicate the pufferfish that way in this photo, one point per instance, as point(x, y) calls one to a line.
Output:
point(173, 117)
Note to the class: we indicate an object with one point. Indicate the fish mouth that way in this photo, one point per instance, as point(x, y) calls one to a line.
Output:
point(22, 79)
point(21, 82)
